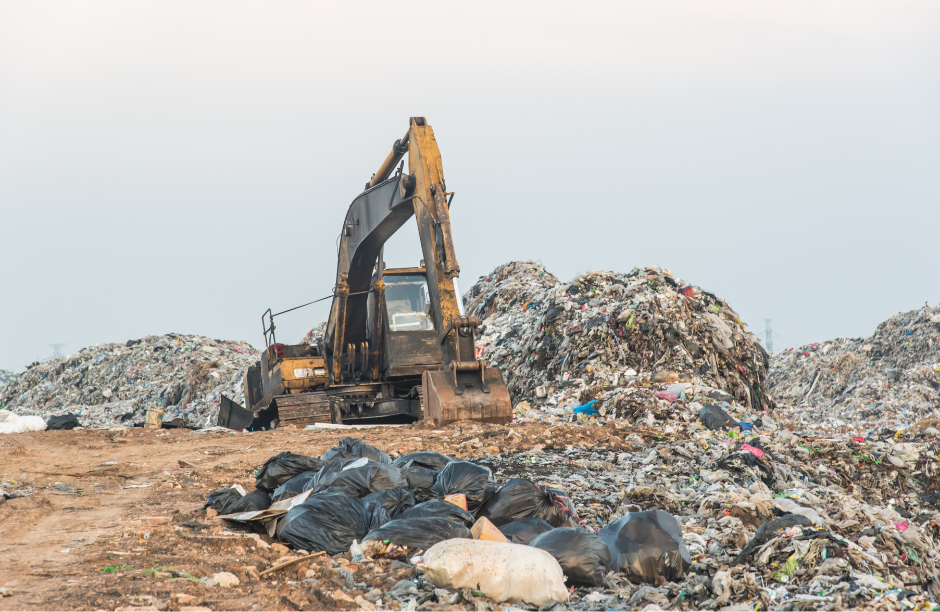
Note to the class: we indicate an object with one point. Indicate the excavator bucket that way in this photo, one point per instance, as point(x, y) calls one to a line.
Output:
point(450, 396)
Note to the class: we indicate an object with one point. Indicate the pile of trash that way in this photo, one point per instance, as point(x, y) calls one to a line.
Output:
point(518, 540)
point(700, 519)
point(616, 345)
point(115, 384)
point(890, 380)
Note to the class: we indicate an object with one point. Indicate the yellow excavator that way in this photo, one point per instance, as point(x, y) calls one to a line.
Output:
point(398, 345)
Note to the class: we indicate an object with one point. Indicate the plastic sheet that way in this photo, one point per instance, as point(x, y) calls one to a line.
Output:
point(282, 467)
point(582, 555)
point(521, 498)
point(295, 486)
point(440, 509)
point(647, 546)
point(354, 447)
point(474, 481)
point(523, 531)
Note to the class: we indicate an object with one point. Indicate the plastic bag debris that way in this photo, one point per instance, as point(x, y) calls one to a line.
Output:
point(767, 531)
point(295, 485)
point(714, 417)
point(360, 481)
point(504, 572)
point(403, 537)
point(441, 509)
point(327, 521)
point(65, 421)
point(395, 501)
point(15, 423)
point(646, 546)
point(420, 481)
point(520, 498)
point(583, 557)
point(426, 459)
point(221, 500)
point(282, 467)
point(474, 481)
point(354, 447)
point(523, 531)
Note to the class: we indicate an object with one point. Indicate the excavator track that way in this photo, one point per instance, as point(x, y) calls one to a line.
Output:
point(304, 408)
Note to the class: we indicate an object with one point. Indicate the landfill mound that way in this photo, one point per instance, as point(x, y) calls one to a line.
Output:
point(116, 383)
point(636, 343)
point(889, 380)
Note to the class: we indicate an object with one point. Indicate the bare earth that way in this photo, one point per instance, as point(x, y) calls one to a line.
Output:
point(105, 527)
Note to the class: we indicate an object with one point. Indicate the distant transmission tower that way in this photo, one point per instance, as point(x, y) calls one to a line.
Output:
point(770, 336)
point(57, 350)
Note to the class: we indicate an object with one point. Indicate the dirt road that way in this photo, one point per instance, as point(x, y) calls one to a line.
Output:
point(115, 519)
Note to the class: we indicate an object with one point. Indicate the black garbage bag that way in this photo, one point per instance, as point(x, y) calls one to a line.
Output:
point(393, 500)
point(295, 486)
point(647, 545)
point(521, 498)
point(440, 509)
point(523, 531)
point(582, 555)
point(354, 447)
point(714, 417)
point(418, 534)
point(474, 481)
point(282, 467)
point(427, 459)
point(360, 481)
point(420, 480)
point(65, 421)
point(221, 500)
point(766, 531)
point(327, 521)
point(230, 501)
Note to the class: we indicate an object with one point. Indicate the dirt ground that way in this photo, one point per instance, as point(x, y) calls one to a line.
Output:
point(116, 519)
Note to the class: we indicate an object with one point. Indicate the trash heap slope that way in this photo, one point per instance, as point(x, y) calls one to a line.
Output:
point(892, 378)
point(116, 383)
point(615, 337)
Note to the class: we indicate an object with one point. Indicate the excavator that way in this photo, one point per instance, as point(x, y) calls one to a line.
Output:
point(398, 345)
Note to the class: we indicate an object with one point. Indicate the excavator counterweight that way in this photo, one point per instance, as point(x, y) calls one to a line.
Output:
point(398, 344)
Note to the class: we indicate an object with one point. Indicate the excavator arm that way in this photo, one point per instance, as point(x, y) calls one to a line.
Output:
point(462, 387)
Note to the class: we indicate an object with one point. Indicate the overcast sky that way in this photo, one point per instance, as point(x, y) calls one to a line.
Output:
point(182, 166)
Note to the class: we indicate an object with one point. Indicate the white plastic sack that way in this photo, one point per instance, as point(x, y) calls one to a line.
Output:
point(22, 424)
point(503, 571)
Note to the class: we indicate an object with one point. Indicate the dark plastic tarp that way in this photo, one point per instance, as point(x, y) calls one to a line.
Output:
point(230, 501)
point(65, 421)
